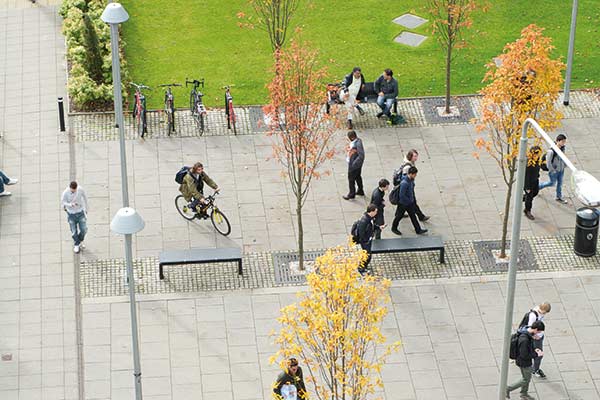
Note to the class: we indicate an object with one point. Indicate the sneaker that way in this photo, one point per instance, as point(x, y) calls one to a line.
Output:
point(76, 249)
point(360, 193)
point(561, 200)
point(5, 193)
point(397, 232)
point(526, 397)
point(422, 231)
point(347, 197)
point(12, 181)
point(540, 373)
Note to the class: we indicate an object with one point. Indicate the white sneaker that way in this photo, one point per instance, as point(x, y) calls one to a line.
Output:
point(5, 193)
point(76, 249)
point(12, 181)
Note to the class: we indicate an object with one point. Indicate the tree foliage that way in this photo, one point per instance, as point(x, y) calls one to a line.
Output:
point(335, 328)
point(303, 133)
point(523, 83)
point(272, 16)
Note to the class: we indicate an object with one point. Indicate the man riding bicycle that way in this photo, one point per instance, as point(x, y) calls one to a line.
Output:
point(192, 188)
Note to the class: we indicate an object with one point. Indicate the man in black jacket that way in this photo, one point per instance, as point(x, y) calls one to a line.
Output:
point(292, 375)
point(532, 179)
point(354, 84)
point(355, 159)
point(378, 199)
point(366, 229)
point(407, 203)
point(387, 91)
point(523, 361)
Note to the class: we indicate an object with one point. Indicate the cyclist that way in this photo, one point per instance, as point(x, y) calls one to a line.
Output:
point(192, 188)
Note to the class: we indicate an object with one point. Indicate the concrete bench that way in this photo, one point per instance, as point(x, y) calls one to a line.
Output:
point(199, 256)
point(370, 96)
point(409, 244)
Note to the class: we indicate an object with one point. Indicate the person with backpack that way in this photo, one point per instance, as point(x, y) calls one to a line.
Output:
point(362, 234)
point(532, 179)
point(292, 375)
point(536, 314)
point(407, 203)
point(378, 198)
point(355, 159)
point(522, 351)
point(556, 168)
point(410, 160)
point(192, 186)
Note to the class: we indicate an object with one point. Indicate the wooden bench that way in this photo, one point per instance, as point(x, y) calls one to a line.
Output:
point(370, 96)
point(199, 256)
point(409, 244)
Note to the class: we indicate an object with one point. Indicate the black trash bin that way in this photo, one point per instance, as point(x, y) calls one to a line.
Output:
point(586, 232)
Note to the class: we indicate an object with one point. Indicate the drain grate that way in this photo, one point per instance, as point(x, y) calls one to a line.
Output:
point(526, 260)
point(281, 262)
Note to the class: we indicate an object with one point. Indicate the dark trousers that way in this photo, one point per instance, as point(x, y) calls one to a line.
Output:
point(529, 196)
point(354, 179)
point(367, 248)
point(377, 232)
point(412, 213)
point(418, 212)
point(537, 361)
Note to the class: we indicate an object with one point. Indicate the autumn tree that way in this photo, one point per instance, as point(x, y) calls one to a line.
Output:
point(335, 328)
point(523, 83)
point(450, 19)
point(303, 133)
point(272, 16)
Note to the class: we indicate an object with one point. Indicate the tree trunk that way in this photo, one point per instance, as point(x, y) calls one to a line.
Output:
point(448, 65)
point(506, 216)
point(300, 233)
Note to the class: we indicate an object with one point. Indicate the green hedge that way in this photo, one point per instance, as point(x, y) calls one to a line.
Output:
point(87, 93)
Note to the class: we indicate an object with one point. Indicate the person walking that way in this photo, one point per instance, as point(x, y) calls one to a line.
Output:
point(407, 203)
point(378, 199)
point(75, 203)
point(556, 168)
point(410, 160)
point(290, 380)
point(526, 353)
point(532, 179)
point(362, 234)
point(5, 180)
point(536, 314)
point(355, 159)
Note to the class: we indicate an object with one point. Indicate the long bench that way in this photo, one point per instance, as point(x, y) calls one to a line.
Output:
point(409, 244)
point(199, 256)
point(370, 96)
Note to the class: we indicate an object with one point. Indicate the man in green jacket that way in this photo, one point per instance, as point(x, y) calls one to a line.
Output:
point(292, 375)
point(192, 187)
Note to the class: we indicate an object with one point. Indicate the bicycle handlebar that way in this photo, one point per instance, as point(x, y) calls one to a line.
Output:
point(194, 82)
point(170, 84)
point(139, 86)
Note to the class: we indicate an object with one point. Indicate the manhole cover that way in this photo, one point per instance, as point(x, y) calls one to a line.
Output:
point(410, 39)
point(410, 21)
point(281, 263)
point(483, 249)
point(256, 116)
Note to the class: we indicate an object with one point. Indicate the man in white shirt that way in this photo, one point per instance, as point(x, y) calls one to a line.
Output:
point(354, 84)
point(75, 203)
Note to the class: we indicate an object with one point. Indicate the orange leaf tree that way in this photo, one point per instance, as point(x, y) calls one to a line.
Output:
point(524, 83)
point(450, 19)
point(304, 133)
point(272, 16)
point(335, 328)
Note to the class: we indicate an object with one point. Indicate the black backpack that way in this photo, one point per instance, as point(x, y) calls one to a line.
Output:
point(514, 346)
point(397, 176)
point(543, 165)
point(395, 195)
point(181, 174)
point(525, 321)
point(354, 232)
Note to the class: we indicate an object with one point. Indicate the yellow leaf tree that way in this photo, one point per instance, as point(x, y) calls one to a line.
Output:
point(523, 83)
point(335, 328)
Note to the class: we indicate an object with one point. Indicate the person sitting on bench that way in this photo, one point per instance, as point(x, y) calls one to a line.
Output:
point(354, 84)
point(387, 91)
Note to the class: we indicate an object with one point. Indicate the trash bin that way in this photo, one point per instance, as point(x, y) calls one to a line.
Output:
point(586, 232)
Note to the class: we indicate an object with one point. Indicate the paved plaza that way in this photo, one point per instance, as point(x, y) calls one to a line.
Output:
point(64, 326)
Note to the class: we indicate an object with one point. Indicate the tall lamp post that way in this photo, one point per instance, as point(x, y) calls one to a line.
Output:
point(587, 189)
point(126, 221)
point(570, 53)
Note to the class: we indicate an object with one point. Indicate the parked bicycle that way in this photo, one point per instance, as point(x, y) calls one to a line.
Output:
point(139, 109)
point(229, 112)
point(170, 106)
point(208, 210)
point(196, 105)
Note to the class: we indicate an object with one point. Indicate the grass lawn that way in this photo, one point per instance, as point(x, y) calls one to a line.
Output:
point(169, 40)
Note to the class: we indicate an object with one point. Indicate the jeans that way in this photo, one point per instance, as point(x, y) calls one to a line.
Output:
point(3, 181)
point(355, 179)
point(78, 225)
point(385, 104)
point(524, 382)
point(556, 178)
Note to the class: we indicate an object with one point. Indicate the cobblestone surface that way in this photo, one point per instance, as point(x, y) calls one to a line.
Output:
point(100, 126)
point(101, 278)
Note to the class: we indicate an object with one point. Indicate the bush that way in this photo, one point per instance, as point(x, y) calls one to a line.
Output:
point(89, 55)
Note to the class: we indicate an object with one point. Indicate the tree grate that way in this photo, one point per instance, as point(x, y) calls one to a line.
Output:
point(281, 261)
point(484, 250)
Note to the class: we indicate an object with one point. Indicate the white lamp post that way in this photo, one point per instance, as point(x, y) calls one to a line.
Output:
point(127, 222)
point(587, 189)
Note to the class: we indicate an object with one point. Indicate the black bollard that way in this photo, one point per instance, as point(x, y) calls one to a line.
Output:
point(61, 114)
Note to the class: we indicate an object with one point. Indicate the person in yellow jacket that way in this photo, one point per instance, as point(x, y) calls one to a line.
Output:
point(192, 187)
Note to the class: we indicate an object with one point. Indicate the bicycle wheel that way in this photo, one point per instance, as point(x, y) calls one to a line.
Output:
point(232, 117)
point(193, 102)
point(182, 205)
point(220, 222)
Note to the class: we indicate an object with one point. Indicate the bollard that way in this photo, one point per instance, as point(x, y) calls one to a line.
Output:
point(61, 114)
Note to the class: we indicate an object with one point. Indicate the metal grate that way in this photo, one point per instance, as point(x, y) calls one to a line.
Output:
point(281, 262)
point(525, 262)
point(432, 117)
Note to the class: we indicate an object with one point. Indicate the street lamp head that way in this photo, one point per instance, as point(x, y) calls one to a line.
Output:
point(127, 222)
point(587, 188)
point(114, 13)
